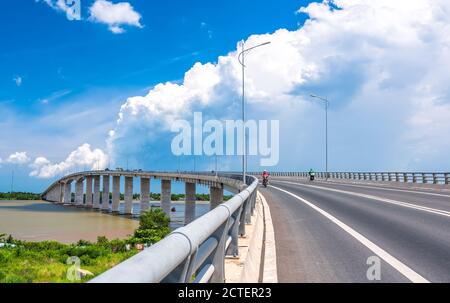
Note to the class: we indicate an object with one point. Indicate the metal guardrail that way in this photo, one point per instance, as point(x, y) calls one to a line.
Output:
point(405, 177)
point(193, 253)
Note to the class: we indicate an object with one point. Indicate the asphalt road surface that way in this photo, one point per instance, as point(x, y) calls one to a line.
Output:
point(331, 232)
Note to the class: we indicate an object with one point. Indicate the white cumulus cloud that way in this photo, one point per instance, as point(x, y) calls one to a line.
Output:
point(383, 65)
point(18, 158)
point(115, 15)
point(82, 158)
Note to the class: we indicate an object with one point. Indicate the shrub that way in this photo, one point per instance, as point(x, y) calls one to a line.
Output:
point(154, 218)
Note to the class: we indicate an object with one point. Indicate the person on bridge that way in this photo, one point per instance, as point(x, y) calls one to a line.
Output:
point(265, 177)
point(311, 174)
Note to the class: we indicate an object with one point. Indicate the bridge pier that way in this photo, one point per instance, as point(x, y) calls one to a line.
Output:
point(79, 193)
point(166, 195)
point(189, 202)
point(61, 193)
point(128, 195)
point(96, 197)
point(88, 191)
point(105, 193)
point(215, 197)
point(145, 194)
point(67, 192)
point(115, 194)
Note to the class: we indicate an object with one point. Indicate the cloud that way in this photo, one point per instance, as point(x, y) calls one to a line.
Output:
point(114, 15)
point(82, 158)
point(383, 65)
point(54, 96)
point(18, 80)
point(18, 158)
point(72, 9)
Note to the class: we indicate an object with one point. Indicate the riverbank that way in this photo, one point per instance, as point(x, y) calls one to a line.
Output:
point(51, 261)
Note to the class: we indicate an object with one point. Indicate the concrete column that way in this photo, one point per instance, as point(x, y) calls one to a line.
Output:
point(105, 193)
point(116, 194)
point(79, 192)
point(67, 192)
point(166, 195)
point(96, 197)
point(128, 195)
point(189, 203)
point(215, 197)
point(89, 191)
point(145, 194)
point(61, 193)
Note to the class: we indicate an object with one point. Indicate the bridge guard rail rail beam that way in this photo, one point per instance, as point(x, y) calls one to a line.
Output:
point(403, 177)
point(193, 253)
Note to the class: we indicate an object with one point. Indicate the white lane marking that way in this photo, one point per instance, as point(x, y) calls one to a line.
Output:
point(390, 201)
point(388, 258)
point(270, 256)
point(385, 188)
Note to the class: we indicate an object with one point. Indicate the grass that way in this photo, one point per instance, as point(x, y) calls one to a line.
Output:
point(47, 261)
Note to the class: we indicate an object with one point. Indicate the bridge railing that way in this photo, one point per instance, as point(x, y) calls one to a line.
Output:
point(195, 252)
point(404, 177)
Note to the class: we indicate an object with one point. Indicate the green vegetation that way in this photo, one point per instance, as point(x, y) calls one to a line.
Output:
point(19, 196)
point(46, 261)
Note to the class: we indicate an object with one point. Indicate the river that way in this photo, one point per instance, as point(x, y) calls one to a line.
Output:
point(40, 220)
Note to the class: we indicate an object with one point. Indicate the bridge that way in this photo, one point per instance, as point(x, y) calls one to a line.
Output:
point(342, 227)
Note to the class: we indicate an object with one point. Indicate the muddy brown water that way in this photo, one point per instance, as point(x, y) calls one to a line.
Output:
point(40, 220)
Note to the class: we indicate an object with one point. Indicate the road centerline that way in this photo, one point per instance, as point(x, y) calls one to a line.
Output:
point(406, 271)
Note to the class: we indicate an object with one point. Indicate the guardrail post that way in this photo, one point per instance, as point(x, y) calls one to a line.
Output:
point(435, 178)
point(218, 258)
point(447, 178)
point(389, 177)
point(253, 202)
point(248, 210)
point(405, 177)
point(424, 178)
point(233, 249)
point(414, 178)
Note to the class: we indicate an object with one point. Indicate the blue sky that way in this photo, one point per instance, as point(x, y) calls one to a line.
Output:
point(63, 63)
point(52, 54)
point(105, 89)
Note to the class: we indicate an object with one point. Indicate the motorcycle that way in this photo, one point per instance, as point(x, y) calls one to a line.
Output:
point(311, 177)
point(265, 181)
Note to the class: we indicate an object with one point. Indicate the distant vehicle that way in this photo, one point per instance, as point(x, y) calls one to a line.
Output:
point(140, 170)
point(265, 181)
point(119, 168)
point(106, 169)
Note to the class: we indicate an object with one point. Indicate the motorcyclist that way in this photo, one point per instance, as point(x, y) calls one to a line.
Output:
point(265, 177)
point(311, 174)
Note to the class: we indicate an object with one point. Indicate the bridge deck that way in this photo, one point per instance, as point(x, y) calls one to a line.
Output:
point(330, 234)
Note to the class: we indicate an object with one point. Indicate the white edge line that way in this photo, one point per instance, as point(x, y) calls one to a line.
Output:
point(388, 258)
point(270, 257)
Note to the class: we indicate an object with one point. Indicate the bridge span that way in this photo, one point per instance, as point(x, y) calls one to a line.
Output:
point(92, 189)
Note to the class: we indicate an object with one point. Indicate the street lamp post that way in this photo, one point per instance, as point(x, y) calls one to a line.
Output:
point(244, 135)
point(326, 131)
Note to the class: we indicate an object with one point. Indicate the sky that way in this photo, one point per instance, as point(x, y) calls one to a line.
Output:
point(102, 88)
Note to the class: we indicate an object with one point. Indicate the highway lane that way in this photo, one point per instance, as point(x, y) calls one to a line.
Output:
point(433, 199)
point(313, 248)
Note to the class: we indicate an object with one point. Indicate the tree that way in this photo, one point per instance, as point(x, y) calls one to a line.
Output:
point(153, 226)
point(154, 218)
